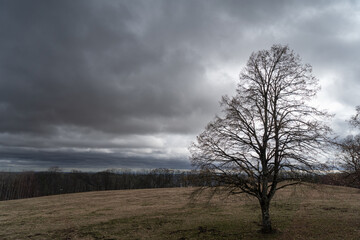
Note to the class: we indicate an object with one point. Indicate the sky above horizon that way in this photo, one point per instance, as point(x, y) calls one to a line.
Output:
point(93, 85)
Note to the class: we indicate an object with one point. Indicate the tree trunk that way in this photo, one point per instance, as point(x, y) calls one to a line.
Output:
point(265, 214)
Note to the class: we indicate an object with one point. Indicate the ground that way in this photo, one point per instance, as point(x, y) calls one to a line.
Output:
point(299, 212)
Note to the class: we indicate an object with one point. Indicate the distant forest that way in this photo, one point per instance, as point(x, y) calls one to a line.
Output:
point(35, 184)
point(17, 185)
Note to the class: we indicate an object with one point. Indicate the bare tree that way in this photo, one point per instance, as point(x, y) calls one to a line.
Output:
point(350, 152)
point(267, 133)
point(355, 120)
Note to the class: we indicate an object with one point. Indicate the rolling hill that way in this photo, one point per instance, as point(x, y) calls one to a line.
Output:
point(300, 212)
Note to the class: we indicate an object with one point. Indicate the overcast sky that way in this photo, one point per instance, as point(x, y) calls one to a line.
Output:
point(92, 85)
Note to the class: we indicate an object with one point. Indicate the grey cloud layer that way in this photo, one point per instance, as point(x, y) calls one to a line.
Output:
point(82, 66)
point(25, 159)
point(85, 74)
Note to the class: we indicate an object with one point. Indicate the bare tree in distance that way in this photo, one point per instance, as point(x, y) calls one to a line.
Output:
point(355, 120)
point(268, 132)
point(350, 152)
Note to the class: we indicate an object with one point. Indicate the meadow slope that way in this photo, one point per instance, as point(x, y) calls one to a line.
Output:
point(299, 212)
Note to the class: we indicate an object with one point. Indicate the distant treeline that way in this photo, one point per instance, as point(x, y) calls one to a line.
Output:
point(17, 185)
point(340, 179)
point(35, 184)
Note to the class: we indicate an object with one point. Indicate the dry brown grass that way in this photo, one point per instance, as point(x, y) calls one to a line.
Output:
point(299, 212)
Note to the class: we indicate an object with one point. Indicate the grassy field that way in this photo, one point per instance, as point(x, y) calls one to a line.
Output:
point(300, 212)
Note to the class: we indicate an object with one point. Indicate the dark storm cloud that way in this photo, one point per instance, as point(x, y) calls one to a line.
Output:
point(68, 64)
point(135, 76)
point(82, 64)
point(24, 159)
